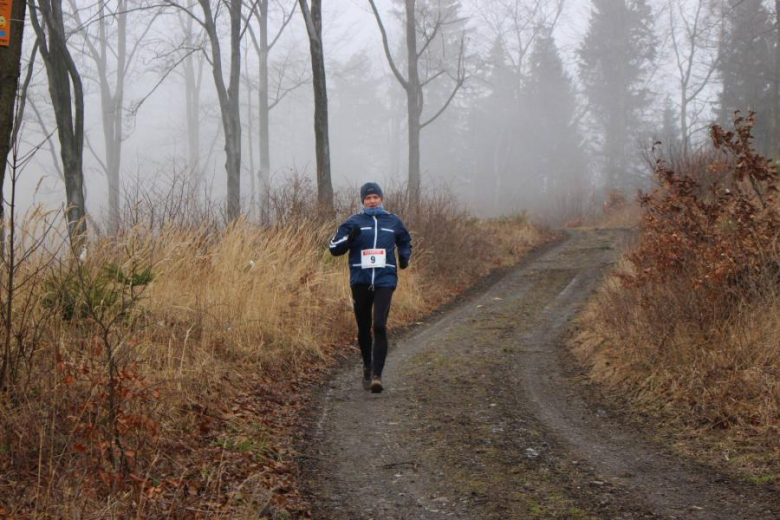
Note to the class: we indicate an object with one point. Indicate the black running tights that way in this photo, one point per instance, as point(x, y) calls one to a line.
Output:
point(364, 298)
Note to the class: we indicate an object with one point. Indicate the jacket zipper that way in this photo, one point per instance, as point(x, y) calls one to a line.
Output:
point(376, 234)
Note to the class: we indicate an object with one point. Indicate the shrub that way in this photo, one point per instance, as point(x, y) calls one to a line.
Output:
point(690, 323)
point(717, 238)
point(66, 291)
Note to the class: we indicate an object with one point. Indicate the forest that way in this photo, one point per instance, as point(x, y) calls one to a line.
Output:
point(533, 104)
point(174, 169)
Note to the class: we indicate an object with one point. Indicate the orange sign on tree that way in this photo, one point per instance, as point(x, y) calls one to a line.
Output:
point(5, 22)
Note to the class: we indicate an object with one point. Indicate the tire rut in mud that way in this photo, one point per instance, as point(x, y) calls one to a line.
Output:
point(480, 420)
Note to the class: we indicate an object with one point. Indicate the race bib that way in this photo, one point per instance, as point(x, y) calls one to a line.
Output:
point(371, 258)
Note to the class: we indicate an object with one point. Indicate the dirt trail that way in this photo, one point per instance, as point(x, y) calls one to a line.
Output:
point(484, 418)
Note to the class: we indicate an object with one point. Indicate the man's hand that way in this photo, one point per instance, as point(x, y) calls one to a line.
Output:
point(403, 262)
point(353, 234)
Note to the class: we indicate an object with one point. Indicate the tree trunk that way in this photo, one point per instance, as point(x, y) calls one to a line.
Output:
point(192, 112)
point(250, 130)
point(68, 109)
point(228, 99)
point(414, 150)
point(314, 27)
point(113, 163)
point(413, 105)
point(112, 104)
point(233, 167)
point(10, 65)
point(264, 110)
point(396, 122)
point(233, 134)
point(684, 121)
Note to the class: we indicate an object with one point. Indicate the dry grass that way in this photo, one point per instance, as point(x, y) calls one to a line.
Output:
point(688, 325)
point(716, 384)
point(158, 374)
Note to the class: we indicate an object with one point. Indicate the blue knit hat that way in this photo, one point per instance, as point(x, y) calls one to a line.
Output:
point(370, 188)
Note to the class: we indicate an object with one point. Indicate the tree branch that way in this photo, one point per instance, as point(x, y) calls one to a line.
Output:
point(404, 83)
point(134, 110)
point(428, 39)
point(186, 10)
point(285, 21)
point(310, 29)
point(459, 80)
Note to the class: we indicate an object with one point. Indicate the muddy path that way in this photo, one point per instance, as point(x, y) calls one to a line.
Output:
point(484, 417)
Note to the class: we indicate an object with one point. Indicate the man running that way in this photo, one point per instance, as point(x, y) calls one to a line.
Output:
point(371, 237)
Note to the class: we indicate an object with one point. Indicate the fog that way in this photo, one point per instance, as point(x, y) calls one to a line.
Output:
point(538, 105)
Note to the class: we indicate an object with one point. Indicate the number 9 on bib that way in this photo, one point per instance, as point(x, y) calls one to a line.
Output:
point(373, 258)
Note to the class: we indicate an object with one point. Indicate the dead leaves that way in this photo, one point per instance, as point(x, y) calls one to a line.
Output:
point(711, 238)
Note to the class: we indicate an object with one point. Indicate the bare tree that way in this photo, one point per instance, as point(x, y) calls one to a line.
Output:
point(227, 93)
point(193, 81)
point(517, 24)
point(111, 57)
point(425, 29)
point(249, 122)
point(284, 77)
point(313, 19)
point(691, 35)
point(264, 43)
point(67, 97)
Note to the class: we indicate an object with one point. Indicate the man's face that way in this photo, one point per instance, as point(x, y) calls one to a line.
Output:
point(372, 201)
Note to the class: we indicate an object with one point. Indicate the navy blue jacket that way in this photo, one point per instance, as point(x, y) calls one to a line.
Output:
point(383, 231)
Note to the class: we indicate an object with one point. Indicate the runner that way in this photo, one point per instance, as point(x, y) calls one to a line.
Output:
point(371, 237)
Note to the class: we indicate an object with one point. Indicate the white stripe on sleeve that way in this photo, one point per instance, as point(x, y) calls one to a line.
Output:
point(334, 244)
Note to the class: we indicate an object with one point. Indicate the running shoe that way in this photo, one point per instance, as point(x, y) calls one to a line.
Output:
point(376, 385)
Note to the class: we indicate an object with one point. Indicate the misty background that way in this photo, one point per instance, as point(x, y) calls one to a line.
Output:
point(536, 105)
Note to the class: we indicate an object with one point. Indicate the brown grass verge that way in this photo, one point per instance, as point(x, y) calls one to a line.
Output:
point(162, 374)
point(713, 389)
point(687, 328)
